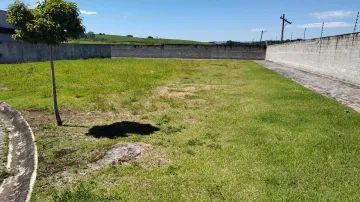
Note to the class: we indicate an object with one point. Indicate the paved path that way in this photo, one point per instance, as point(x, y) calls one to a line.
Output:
point(22, 156)
point(2, 144)
point(345, 93)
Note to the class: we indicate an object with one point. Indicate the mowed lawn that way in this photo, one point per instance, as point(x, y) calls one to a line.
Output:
point(229, 131)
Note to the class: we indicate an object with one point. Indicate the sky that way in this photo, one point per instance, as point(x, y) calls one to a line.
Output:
point(216, 20)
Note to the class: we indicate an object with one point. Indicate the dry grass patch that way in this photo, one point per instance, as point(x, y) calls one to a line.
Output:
point(181, 91)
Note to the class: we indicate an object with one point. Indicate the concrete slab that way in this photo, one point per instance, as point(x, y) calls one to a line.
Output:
point(346, 93)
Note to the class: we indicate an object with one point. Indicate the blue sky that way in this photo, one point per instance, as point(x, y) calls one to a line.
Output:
point(216, 20)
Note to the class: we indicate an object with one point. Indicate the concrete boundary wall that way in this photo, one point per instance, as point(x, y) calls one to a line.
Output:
point(190, 51)
point(334, 56)
point(22, 157)
point(17, 52)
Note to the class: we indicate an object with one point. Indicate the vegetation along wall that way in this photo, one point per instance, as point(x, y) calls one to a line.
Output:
point(335, 56)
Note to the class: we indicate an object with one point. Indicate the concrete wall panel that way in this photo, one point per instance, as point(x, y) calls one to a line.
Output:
point(335, 56)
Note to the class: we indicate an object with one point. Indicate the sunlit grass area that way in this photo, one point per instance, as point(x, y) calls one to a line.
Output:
point(228, 131)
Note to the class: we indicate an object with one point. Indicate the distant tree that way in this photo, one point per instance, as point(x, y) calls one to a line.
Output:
point(100, 33)
point(150, 37)
point(103, 33)
point(83, 36)
point(51, 22)
point(91, 35)
point(130, 35)
point(230, 43)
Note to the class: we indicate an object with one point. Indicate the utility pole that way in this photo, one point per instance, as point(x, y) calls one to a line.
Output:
point(357, 18)
point(322, 30)
point(262, 32)
point(283, 25)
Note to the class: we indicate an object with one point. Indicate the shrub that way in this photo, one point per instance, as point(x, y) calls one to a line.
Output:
point(150, 37)
point(130, 35)
point(91, 35)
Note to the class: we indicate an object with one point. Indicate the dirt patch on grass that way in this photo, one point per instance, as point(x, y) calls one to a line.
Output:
point(152, 157)
point(120, 153)
point(180, 91)
point(3, 88)
point(165, 91)
point(139, 154)
point(125, 154)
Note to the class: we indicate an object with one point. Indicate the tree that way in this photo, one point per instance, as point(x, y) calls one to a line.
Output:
point(91, 35)
point(51, 22)
point(130, 35)
point(229, 43)
point(150, 37)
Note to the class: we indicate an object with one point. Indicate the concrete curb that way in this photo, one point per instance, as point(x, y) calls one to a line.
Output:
point(22, 156)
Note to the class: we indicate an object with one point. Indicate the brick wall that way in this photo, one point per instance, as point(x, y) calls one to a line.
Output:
point(335, 56)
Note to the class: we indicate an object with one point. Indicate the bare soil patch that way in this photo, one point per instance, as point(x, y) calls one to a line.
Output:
point(180, 91)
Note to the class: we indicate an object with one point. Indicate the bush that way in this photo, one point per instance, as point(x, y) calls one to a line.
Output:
point(150, 37)
point(130, 35)
point(91, 35)
point(229, 43)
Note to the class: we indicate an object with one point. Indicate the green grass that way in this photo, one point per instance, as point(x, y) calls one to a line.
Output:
point(245, 134)
point(115, 39)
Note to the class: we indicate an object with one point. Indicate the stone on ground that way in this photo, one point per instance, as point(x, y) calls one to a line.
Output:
point(120, 153)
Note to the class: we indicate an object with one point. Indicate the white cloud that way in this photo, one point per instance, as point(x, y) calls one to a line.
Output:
point(88, 12)
point(258, 30)
point(326, 25)
point(332, 14)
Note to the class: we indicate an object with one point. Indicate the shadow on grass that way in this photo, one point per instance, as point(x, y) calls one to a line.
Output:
point(121, 129)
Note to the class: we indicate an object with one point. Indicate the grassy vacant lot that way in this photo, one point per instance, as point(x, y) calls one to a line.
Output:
point(114, 39)
point(229, 130)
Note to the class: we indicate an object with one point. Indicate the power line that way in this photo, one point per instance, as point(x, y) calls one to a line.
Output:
point(283, 25)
